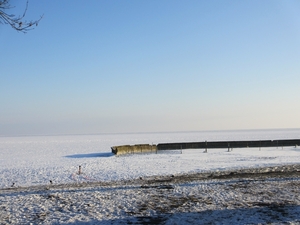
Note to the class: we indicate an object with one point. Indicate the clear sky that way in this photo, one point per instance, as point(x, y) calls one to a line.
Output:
point(153, 65)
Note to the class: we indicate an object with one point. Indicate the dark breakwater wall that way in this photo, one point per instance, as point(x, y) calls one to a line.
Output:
point(229, 144)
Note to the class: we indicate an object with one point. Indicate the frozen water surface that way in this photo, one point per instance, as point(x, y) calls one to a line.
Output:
point(32, 161)
point(35, 160)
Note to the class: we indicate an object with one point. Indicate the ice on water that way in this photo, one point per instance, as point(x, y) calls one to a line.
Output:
point(35, 160)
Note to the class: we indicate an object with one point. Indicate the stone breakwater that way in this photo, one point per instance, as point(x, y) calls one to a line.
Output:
point(147, 148)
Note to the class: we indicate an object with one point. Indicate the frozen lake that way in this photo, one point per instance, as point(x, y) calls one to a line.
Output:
point(35, 160)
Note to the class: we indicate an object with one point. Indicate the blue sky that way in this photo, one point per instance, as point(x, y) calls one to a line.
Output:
point(151, 66)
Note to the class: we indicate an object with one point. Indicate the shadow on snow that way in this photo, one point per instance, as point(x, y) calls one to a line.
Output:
point(90, 155)
point(257, 215)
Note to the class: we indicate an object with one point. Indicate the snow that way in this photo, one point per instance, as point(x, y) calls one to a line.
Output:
point(35, 160)
point(32, 161)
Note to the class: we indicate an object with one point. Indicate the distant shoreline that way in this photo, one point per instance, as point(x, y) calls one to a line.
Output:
point(149, 132)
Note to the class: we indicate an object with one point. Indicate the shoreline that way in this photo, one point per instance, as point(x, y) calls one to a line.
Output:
point(268, 195)
point(291, 170)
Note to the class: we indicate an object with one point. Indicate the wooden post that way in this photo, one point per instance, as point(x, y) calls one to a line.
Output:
point(205, 147)
point(79, 170)
point(259, 145)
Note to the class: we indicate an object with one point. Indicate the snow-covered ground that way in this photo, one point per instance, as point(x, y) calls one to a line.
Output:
point(260, 201)
point(31, 161)
point(35, 160)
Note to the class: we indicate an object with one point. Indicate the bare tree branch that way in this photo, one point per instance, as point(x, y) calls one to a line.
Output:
point(16, 22)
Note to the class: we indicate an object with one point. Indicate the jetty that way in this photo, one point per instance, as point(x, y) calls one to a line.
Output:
point(230, 145)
